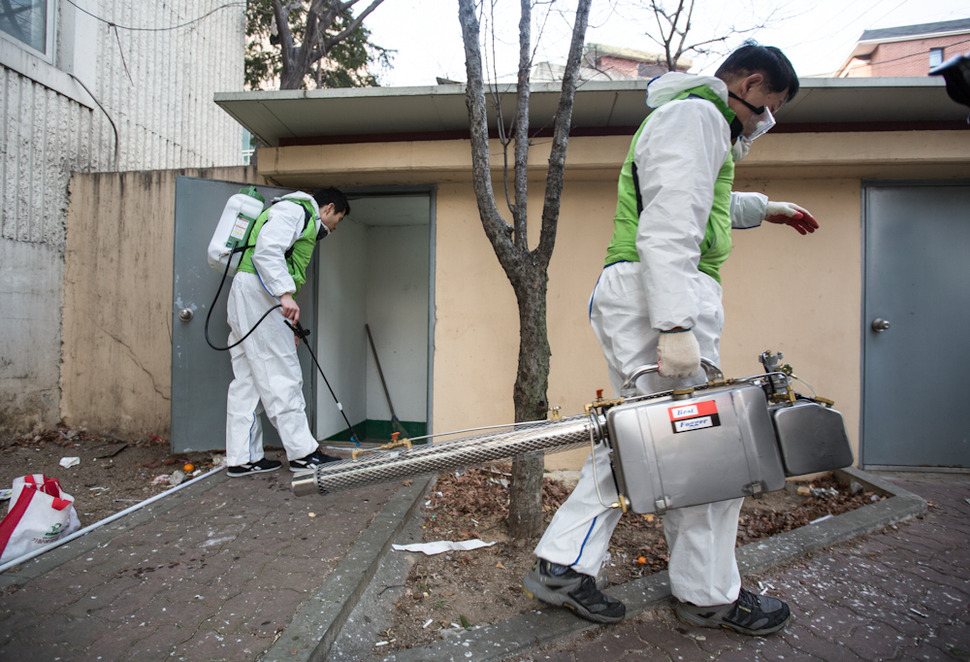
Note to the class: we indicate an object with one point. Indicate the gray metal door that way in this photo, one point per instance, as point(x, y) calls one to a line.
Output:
point(917, 315)
point(201, 375)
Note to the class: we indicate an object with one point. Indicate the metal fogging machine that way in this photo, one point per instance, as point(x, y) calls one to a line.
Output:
point(725, 439)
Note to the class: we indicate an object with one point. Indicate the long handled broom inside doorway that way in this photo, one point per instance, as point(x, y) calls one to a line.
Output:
point(395, 423)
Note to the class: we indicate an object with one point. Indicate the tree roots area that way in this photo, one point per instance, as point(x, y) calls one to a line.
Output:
point(451, 591)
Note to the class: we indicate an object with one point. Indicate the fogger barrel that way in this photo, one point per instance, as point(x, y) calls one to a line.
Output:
point(385, 466)
point(722, 440)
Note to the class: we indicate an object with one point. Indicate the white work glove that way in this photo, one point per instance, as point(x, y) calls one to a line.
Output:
point(678, 354)
point(788, 213)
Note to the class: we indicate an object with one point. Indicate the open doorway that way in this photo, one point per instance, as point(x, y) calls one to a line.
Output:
point(376, 273)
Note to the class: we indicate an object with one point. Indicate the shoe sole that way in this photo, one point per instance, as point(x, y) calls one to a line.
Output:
point(700, 621)
point(543, 594)
point(251, 472)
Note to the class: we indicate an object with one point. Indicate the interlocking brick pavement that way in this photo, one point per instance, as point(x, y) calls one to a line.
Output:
point(899, 594)
point(216, 576)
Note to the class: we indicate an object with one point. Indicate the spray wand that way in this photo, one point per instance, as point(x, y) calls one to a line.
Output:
point(302, 333)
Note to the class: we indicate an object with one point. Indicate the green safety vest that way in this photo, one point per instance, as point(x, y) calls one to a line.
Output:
point(716, 245)
point(297, 257)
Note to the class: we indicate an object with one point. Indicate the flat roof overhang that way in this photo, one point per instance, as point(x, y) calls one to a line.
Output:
point(377, 114)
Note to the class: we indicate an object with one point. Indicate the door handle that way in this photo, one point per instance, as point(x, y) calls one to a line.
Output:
point(879, 325)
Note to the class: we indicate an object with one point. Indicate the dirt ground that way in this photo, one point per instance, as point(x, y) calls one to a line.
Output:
point(112, 474)
point(448, 592)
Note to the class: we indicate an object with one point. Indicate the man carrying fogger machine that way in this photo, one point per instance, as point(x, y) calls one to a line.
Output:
point(658, 301)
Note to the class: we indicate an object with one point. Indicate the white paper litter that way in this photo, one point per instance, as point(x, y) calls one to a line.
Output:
point(68, 462)
point(439, 546)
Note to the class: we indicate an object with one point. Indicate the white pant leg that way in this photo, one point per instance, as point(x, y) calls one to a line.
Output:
point(701, 538)
point(702, 568)
point(579, 534)
point(244, 430)
point(274, 369)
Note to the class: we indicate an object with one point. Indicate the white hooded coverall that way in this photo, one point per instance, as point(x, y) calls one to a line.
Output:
point(678, 156)
point(266, 368)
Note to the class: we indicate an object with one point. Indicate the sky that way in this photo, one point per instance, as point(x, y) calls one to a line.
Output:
point(816, 35)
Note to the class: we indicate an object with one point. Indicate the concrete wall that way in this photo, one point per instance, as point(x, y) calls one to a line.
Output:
point(799, 295)
point(97, 100)
point(117, 338)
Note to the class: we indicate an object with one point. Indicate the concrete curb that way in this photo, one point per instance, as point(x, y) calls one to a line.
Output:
point(312, 631)
point(525, 633)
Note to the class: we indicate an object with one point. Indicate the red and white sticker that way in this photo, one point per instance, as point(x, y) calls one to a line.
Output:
point(694, 416)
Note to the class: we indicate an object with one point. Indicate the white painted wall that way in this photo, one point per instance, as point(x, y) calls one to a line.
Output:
point(340, 342)
point(377, 275)
point(100, 100)
point(397, 312)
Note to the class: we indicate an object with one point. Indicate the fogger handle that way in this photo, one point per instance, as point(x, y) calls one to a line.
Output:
point(713, 374)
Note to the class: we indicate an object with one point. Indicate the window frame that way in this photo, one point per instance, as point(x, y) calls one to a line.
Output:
point(50, 32)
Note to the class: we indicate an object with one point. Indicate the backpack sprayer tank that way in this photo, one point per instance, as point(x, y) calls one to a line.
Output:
point(233, 230)
point(722, 440)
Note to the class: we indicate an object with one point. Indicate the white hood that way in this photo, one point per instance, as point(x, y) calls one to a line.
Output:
point(300, 195)
point(664, 88)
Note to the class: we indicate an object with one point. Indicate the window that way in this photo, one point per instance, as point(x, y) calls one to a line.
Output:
point(30, 22)
point(936, 57)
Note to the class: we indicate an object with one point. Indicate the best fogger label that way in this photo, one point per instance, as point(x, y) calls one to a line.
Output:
point(695, 416)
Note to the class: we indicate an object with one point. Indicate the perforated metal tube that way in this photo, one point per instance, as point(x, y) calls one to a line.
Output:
point(449, 455)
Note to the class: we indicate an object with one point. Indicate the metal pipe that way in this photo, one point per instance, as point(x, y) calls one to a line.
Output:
point(451, 455)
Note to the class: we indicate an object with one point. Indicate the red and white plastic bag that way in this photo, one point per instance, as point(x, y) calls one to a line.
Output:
point(39, 514)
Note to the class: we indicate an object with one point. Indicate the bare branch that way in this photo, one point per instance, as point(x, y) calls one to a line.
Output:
point(496, 229)
point(564, 117)
point(523, 94)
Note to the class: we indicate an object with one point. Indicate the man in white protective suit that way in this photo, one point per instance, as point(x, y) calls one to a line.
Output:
point(266, 368)
point(658, 301)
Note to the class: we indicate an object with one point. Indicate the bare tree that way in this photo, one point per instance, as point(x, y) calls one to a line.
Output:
point(674, 21)
point(321, 25)
point(526, 269)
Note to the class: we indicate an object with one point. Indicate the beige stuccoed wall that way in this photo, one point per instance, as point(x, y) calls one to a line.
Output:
point(798, 295)
point(784, 292)
point(117, 334)
point(801, 295)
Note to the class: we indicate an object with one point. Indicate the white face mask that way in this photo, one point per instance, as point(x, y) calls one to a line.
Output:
point(740, 148)
point(758, 125)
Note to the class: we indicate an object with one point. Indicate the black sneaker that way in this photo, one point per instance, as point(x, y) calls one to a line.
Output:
point(749, 614)
point(311, 461)
point(562, 586)
point(253, 468)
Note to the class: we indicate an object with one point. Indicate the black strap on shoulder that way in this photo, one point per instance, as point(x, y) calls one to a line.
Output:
point(306, 222)
point(636, 187)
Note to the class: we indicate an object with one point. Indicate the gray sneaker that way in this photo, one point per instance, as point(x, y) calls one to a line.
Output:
point(749, 614)
point(564, 587)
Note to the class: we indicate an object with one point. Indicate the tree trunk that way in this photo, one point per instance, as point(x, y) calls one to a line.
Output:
point(527, 270)
point(531, 402)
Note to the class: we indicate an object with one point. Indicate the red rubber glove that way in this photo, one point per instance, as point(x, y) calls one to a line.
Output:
point(788, 213)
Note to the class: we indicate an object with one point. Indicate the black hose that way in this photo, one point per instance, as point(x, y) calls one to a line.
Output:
point(297, 329)
point(208, 316)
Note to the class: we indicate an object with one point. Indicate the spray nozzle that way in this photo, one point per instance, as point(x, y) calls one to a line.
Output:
point(298, 329)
